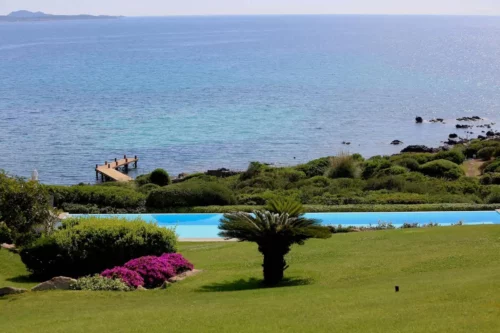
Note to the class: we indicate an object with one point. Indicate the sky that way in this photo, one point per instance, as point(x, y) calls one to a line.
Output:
point(253, 7)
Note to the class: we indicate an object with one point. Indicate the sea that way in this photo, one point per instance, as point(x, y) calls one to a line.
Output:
point(189, 94)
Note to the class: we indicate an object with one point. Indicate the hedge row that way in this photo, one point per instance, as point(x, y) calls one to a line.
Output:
point(352, 208)
point(102, 196)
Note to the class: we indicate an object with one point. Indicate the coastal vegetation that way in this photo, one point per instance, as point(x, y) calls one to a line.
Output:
point(418, 179)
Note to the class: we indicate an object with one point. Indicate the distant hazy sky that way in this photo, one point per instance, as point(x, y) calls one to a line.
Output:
point(238, 7)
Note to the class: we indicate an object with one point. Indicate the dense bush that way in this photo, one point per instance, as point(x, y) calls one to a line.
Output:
point(102, 196)
point(409, 163)
point(490, 179)
point(127, 276)
point(494, 197)
point(492, 166)
point(145, 189)
point(316, 167)
point(189, 194)
point(374, 164)
point(343, 166)
point(442, 169)
point(90, 245)
point(392, 171)
point(159, 177)
point(5, 234)
point(454, 155)
point(486, 153)
point(143, 180)
point(99, 283)
point(24, 208)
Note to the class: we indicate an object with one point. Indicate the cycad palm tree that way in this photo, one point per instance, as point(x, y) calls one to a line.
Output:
point(274, 232)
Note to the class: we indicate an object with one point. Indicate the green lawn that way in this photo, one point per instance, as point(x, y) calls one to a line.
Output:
point(449, 279)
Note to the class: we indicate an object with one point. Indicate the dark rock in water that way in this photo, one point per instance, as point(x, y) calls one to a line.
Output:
point(481, 137)
point(221, 173)
point(419, 120)
point(396, 142)
point(451, 142)
point(474, 118)
point(419, 149)
point(463, 126)
point(346, 143)
point(453, 136)
point(437, 120)
point(490, 133)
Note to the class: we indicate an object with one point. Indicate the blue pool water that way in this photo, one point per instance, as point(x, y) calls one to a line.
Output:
point(205, 225)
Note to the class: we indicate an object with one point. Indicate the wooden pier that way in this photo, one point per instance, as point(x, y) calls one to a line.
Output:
point(110, 170)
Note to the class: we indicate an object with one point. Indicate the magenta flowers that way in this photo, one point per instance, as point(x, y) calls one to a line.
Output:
point(150, 271)
point(129, 277)
point(178, 262)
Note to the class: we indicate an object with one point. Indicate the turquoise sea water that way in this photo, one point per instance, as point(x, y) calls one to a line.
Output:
point(206, 225)
point(194, 93)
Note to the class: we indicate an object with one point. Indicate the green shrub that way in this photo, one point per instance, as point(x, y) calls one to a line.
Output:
point(442, 169)
point(494, 197)
point(90, 245)
point(24, 208)
point(99, 283)
point(491, 166)
point(5, 234)
point(254, 168)
point(80, 209)
point(392, 171)
point(454, 155)
point(343, 166)
point(189, 194)
point(374, 164)
point(316, 167)
point(486, 153)
point(101, 196)
point(409, 163)
point(487, 179)
point(396, 183)
point(145, 189)
point(143, 179)
point(159, 177)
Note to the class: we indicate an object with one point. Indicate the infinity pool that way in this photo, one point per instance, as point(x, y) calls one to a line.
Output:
point(205, 225)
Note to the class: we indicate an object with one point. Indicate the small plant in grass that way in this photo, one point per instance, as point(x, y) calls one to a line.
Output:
point(129, 277)
point(274, 233)
point(99, 283)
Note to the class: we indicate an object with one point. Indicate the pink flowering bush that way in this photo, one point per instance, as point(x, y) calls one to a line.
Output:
point(154, 270)
point(180, 263)
point(129, 277)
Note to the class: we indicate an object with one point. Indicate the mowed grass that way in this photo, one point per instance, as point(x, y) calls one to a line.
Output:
point(449, 279)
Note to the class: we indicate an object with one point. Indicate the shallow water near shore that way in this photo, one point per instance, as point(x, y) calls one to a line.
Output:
point(196, 93)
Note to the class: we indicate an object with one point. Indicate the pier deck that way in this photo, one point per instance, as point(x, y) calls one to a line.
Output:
point(109, 169)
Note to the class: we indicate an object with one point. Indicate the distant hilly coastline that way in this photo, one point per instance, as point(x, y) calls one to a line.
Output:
point(27, 16)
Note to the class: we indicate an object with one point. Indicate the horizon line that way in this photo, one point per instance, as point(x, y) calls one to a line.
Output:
point(277, 14)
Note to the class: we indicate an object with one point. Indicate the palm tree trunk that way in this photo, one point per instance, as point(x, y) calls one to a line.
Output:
point(274, 267)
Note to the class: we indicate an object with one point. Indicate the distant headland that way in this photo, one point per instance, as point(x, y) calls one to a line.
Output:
point(26, 16)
